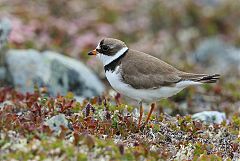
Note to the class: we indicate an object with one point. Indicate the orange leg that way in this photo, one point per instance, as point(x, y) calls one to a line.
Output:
point(141, 114)
point(150, 112)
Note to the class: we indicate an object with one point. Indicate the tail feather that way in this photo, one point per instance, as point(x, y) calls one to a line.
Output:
point(203, 78)
point(209, 78)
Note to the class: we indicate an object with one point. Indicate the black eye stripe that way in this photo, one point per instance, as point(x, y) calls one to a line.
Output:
point(104, 47)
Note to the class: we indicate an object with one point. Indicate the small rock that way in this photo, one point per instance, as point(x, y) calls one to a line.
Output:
point(5, 103)
point(79, 99)
point(55, 122)
point(59, 73)
point(210, 116)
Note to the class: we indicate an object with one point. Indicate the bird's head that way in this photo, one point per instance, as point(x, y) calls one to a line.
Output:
point(109, 49)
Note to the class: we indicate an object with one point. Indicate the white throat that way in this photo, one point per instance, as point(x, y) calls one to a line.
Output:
point(108, 59)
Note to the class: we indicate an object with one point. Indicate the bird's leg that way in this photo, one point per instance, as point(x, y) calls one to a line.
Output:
point(117, 99)
point(150, 112)
point(141, 114)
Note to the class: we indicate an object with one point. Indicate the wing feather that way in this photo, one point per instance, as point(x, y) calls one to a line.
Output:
point(145, 71)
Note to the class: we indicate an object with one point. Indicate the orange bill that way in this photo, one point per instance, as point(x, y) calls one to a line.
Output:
point(94, 52)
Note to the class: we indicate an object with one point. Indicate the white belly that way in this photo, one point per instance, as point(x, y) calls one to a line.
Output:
point(145, 95)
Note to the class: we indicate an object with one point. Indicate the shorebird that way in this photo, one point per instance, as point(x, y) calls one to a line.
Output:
point(141, 76)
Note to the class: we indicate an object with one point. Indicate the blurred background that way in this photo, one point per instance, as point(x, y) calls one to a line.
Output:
point(193, 35)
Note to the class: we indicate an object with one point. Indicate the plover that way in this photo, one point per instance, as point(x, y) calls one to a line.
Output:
point(141, 76)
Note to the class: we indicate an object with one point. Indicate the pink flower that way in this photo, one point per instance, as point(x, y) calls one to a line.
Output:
point(105, 29)
point(21, 32)
point(85, 40)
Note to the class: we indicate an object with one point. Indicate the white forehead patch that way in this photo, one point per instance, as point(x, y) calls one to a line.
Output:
point(98, 46)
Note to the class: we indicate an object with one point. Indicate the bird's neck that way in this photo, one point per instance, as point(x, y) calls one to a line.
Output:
point(116, 59)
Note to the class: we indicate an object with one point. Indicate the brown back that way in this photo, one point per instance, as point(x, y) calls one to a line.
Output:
point(141, 70)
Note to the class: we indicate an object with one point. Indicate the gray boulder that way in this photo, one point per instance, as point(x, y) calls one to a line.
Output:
point(218, 56)
point(25, 68)
point(57, 72)
point(5, 28)
point(2, 73)
point(209, 3)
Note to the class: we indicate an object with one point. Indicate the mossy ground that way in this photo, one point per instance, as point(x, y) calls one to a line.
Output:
point(98, 128)
point(101, 130)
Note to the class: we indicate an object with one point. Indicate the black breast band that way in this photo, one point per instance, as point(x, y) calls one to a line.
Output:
point(111, 66)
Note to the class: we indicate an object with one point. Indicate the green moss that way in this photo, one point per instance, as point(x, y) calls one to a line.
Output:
point(123, 140)
point(211, 157)
point(82, 157)
point(69, 95)
point(77, 107)
point(199, 149)
point(156, 127)
point(19, 155)
point(236, 121)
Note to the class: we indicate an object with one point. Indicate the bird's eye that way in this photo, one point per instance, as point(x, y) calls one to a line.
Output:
point(105, 47)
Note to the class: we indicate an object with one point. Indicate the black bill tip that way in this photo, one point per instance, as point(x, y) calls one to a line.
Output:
point(90, 53)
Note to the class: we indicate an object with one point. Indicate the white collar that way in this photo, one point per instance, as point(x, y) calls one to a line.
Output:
point(108, 59)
